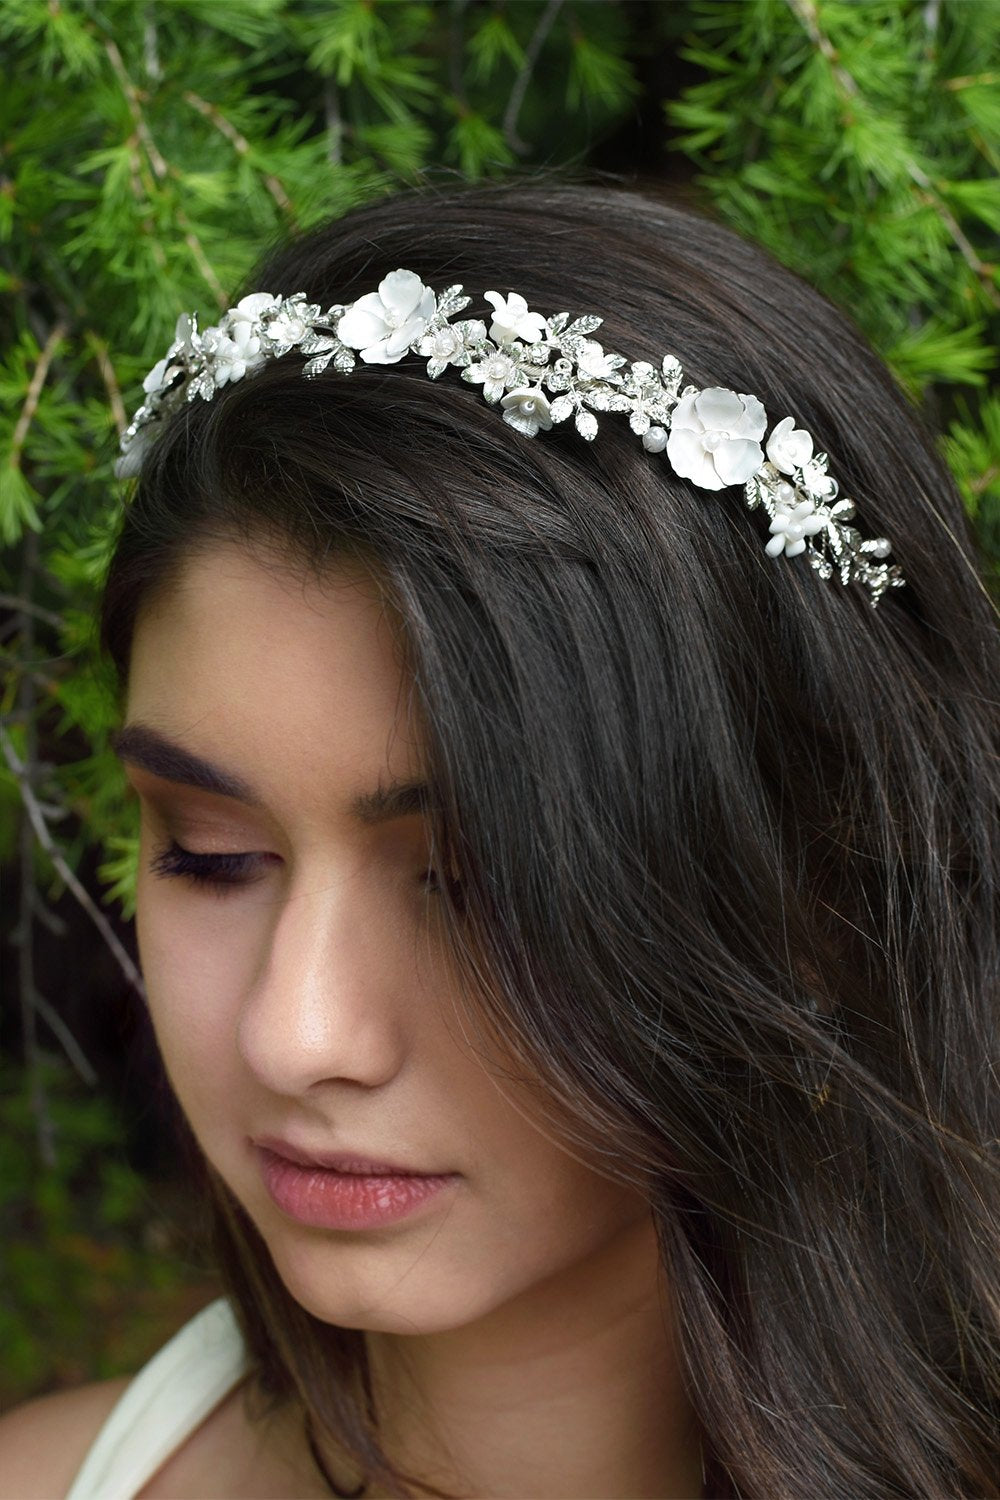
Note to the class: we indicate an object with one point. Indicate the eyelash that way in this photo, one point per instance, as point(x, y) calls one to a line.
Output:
point(222, 871)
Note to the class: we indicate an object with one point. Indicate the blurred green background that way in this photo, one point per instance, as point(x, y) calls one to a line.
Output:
point(148, 150)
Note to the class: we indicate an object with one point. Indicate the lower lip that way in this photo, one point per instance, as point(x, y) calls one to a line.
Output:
point(343, 1200)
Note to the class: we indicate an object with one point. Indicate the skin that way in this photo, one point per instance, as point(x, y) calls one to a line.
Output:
point(519, 1327)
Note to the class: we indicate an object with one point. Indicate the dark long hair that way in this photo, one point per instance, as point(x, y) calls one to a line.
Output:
point(729, 836)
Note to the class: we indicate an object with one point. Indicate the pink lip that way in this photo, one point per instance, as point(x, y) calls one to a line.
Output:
point(336, 1161)
point(346, 1199)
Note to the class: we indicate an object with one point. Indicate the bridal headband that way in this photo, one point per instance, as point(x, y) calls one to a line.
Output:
point(541, 371)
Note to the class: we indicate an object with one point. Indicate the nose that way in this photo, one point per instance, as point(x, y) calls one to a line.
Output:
point(328, 1000)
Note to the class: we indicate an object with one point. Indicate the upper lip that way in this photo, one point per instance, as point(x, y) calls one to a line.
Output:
point(338, 1161)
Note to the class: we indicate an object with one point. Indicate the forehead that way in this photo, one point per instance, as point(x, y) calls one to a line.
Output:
point(243, 653)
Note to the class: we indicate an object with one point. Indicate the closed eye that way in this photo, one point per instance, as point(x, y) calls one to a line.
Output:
point(217, 870)
point(222, 871)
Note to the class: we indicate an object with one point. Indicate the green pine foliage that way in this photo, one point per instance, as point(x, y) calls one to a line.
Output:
point(861, 144)
point(147, 152)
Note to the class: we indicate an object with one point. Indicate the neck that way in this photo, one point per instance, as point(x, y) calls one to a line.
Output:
point(571, 1390)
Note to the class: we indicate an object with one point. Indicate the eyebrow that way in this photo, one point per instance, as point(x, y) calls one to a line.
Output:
point(143, 746)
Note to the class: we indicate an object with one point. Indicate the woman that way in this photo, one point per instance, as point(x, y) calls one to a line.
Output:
point(568, 908)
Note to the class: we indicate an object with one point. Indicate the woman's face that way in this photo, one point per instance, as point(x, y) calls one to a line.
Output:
point(313, 1001)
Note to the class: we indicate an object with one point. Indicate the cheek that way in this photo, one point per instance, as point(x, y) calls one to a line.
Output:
point(198, 957)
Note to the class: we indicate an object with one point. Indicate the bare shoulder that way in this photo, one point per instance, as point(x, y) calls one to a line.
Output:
point(43, 1441)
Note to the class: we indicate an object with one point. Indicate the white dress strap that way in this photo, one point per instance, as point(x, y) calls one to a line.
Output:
point(163, 1404)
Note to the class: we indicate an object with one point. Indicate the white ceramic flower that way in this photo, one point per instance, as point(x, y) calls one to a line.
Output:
point(234, 354)
point(494, 373)
point(249, 309)
point(791, 525)
point(385, 323)
point(527, 410)
point(157, 377)
point(789, 447)
point(512, 320)
point(592, 362)
point(714, 437)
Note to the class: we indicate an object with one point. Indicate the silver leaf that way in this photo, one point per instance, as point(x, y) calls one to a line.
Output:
point(584, 325)
point(316, 366)
point(452, 301)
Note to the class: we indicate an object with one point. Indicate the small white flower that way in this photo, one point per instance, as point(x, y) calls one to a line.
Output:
point(494, 373)
point(232, 355)
point(512, 320)
point(789, 447)
point(714, 437)
point(287, 327)
point(592, 362)
point(527, 409)
point(791, 524)
point(817, 481)
point(385, 323)
point(446, 345)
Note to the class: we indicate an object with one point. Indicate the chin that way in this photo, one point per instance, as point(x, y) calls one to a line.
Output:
point(387, 1288)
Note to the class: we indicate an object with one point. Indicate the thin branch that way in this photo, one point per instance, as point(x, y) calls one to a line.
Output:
point(523, 78)
point(151, 47)
point(24, 933)
point(26, 607)
point(70, 1045)
point(334, 122)
point(141, 195)
point(201, 260)
point(111, 385)
point(806, 12)
point(970, 80)
point(48, 918)
point(241, 146)
point(55, 855)
point(34, 392)
point(131, 93)
point(162, 170)
point(968, 250)
point(456, 49)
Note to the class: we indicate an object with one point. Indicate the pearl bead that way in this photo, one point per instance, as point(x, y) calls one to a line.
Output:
point(654, 440)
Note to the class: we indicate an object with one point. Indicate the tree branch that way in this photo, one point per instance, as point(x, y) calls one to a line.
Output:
point(111, 385)
point(523, 78)
point(34, 392)
point(23, 935)
point(56, 856)
point(806, 12)
point(26, 607)
point(334, 122)
point(241, 146)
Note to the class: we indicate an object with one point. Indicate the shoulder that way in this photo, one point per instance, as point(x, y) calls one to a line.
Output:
point(44, 1441)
